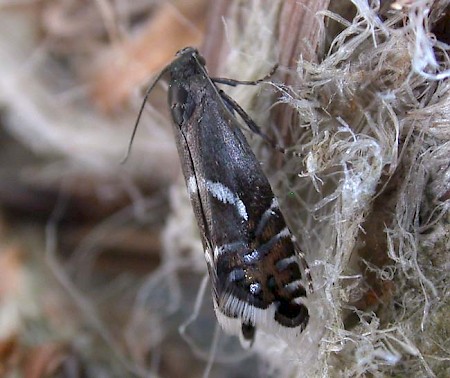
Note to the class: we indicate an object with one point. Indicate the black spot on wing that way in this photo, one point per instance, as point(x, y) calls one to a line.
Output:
point(290, 314)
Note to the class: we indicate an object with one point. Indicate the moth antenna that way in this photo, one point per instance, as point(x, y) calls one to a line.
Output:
point(233, 83)
point(141, 110)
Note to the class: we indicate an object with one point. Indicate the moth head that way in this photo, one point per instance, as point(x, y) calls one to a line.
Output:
point(191, 51)
point(186, 51)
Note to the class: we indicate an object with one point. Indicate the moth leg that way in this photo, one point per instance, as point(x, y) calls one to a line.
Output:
point(230, 103)
point(233, 83)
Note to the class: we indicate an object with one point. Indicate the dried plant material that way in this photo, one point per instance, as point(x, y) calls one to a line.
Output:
point(365, 153)
point(300, 19)
point(130, 64)
point(297, 19)
point(401, 4)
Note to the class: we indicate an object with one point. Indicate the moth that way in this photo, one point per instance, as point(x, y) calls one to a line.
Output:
point(253, 261)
